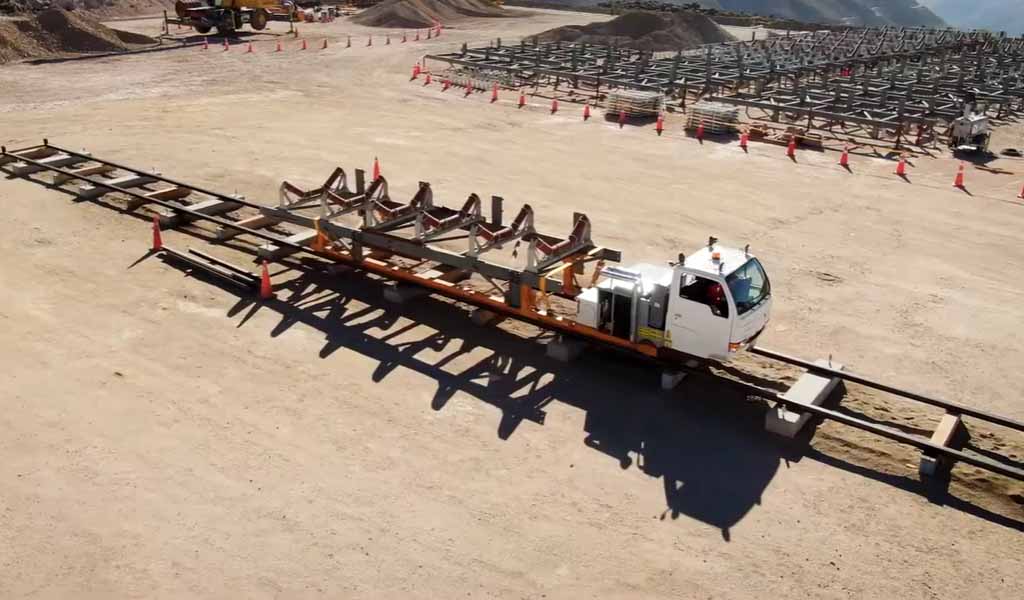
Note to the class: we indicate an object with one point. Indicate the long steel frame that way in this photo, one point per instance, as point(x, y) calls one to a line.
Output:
point(336, 243)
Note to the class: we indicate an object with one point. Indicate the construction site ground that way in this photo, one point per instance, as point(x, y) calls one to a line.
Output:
point(167, 438)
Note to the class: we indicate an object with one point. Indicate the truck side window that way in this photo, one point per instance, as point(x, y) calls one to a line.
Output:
point(706, 292)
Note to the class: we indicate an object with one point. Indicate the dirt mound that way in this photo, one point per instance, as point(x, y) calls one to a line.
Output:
point(55, 32)
point(644, 30)
point(412, 14)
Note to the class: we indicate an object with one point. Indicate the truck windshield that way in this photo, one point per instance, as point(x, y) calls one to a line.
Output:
point(749, 285)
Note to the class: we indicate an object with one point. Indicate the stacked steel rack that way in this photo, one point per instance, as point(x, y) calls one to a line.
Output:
point(891, 84)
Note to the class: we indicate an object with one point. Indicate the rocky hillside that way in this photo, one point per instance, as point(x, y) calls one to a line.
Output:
point(996, 15)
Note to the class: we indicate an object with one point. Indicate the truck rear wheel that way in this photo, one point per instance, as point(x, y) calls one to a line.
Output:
point(202, 28)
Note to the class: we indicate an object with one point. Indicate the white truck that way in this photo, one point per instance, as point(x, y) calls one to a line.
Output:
point(708, 305)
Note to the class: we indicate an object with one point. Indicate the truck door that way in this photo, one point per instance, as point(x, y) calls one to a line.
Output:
point(699, 316)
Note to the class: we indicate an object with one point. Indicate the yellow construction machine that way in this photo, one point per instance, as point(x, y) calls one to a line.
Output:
point(227, 16)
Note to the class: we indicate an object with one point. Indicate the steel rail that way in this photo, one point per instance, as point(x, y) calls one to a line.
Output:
point(483, 300)
point(923, 444)
point(218, 195)
point(950, 407)
point(270, 237)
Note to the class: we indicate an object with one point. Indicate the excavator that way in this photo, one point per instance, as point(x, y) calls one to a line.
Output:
point(227, 16)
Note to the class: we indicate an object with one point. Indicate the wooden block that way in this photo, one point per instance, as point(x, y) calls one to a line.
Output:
point(944, 435)
point(61, 178)
point(257, 222)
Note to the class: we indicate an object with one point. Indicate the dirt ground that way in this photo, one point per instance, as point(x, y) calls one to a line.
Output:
point(166, 438)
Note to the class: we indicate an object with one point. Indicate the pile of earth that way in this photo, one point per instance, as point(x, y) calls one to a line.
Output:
point(104, 9)
point(644, 30)
point(413, 14)
point(56, 32)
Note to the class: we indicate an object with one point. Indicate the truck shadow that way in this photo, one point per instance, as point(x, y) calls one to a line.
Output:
point(704, 441)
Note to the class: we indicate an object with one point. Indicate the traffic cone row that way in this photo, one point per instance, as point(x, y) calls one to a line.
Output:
point(250, 49)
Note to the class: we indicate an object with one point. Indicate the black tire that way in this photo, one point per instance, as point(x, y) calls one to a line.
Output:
point(258, 20)
point(202, 28)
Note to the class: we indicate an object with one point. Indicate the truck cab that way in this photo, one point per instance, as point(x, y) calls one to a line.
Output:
point(709, 305)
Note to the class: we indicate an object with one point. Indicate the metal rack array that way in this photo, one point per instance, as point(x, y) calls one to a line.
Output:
point(894, 84)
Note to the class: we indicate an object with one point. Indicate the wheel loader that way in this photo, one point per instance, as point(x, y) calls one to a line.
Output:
point(227, 16)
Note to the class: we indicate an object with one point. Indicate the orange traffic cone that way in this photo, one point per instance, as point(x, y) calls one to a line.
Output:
point(369, 41)
point(376, 169)
point(844, 158)
point(303, 44)
point(744, 140)
point(622, 118)
point(586, 112)
point(791, 148)
point(226, 47)
point(417, 38)
point(469, 88)
point(437, 32)
point(430, 33)
point(427, 81)
point(266, 289)
point(387, 39)
point(415, 71)
point(1021, 196)
point(700, 132)
point(659, 126)
point(522, 99)
point(959, 180)
point(206, 44)
point(554, 106)
point(494, 93)
point(901, 166)
point(445, 85)
point(158, 243)
point(249, 49)
point(324, 47)
point(279, 48)
point(404, 38)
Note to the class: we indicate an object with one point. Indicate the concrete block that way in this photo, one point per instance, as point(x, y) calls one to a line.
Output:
point(946, 435)
point(565, 349)
point(274, 252)
point(484, 317)
point(57, 160)
point(809, 389)
point(670, 379)
point(88, 191)
point(400, 293)
point(207, 207)
point(61, 178)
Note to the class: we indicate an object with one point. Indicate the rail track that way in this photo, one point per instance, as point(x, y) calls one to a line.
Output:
point(551, 268)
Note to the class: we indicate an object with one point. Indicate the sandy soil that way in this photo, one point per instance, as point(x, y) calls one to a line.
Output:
point(165, 438)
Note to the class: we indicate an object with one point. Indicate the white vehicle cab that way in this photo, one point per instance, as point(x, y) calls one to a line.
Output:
point(708, 305)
